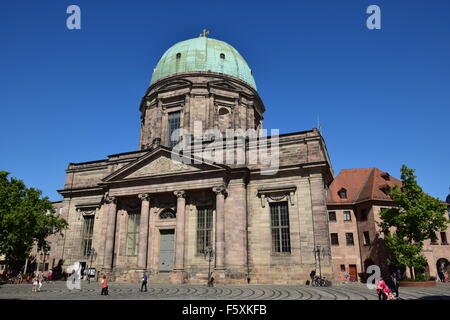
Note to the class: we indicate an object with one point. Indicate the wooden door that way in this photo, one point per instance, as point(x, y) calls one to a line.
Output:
point(353, 273)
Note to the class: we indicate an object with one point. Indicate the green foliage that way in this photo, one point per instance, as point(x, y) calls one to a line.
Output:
point(25, 218)
point(404, 252)
point(416, 217)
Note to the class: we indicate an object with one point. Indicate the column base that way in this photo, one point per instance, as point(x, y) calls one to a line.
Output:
point(219, 276)
point(108, 272)
point(178, 277)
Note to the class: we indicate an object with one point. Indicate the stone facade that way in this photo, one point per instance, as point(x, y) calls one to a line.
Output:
point(151, 182)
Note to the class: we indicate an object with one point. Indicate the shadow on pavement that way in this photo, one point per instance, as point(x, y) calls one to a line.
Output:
point(436, 298)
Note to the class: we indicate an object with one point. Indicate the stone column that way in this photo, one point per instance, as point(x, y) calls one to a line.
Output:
point(179, 245)
point(143, 231)
point(220, 192)
point(110, 232)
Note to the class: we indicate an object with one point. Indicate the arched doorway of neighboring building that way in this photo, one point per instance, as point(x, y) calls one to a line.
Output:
point(443, 268)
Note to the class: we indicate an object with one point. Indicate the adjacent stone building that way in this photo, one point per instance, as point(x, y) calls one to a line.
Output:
point(157, 210)
point(355, 199)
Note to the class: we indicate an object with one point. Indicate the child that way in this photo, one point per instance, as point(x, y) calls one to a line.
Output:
point(104, 285)
point(35, 284)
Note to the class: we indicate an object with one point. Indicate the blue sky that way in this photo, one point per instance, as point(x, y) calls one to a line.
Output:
point(382, 96)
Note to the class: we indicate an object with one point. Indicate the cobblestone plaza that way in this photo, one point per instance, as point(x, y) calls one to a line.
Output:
point(127, 291)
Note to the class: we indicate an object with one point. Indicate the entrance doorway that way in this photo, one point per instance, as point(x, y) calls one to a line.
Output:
point(352, 272)
point(442, 266)
point(166, 250)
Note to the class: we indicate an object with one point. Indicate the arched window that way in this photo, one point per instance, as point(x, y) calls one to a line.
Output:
point(167, 214)
point(178, 55)
point(223, 111)
point(222, 56)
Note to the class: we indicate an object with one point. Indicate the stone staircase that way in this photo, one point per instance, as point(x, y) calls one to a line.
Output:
point(159, 278)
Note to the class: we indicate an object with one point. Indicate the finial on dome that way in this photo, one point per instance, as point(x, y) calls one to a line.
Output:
point(205, 32)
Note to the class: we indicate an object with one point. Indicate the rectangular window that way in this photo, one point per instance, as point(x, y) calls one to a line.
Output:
point(332, 216)
point(349, 239)
point(134, 219)
point(204, 229)
point(174, 124)
point(363, 214)
point(347, 216)
point(434, 239)
point(334, 239)
point(86, 237)
point(279, 217)
point(343, 267)
point(366, 238)
point(444, 238)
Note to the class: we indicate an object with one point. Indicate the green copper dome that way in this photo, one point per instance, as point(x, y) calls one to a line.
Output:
point(203, 54)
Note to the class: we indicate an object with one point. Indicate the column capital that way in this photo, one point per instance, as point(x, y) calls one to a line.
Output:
point(180, 193)
point(144, 196)
point(221, 189)
point(110, 199)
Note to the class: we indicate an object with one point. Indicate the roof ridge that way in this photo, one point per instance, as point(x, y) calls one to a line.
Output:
point(365, 183)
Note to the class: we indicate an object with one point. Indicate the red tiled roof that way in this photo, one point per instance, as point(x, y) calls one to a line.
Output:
point(361, 185)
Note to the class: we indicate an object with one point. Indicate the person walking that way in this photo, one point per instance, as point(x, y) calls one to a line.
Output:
point(395, 284)
point(382, 289)
point(144, 282)
point(19, 278)
point(35, 284)
point(104, 285)
point(40, 280)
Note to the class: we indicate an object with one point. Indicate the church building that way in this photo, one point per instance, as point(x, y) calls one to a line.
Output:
point(142, 210)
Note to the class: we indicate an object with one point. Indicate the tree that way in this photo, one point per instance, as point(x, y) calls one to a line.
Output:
point(416, 217)
point(26, 219)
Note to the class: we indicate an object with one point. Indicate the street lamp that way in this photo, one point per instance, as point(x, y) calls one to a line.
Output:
point(319, 253)
point(43, 255)
point(210, 253)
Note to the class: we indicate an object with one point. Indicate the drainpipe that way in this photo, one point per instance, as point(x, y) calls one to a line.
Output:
point(246, 214)
point(246, 235)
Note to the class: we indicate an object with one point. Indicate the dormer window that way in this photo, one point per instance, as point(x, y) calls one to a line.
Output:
point(342, 193)
point(178, 55)
point(386, 189)
point(222, 56)
point(386, 176)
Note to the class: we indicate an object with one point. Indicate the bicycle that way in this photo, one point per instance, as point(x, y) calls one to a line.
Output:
point(319, 282)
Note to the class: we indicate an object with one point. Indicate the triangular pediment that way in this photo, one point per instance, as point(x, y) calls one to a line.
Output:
point(161, 165)
point(160, 162)
point(174, 85)
point(224, 85)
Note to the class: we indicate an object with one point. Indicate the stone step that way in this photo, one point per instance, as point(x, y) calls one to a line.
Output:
point(159, 278)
